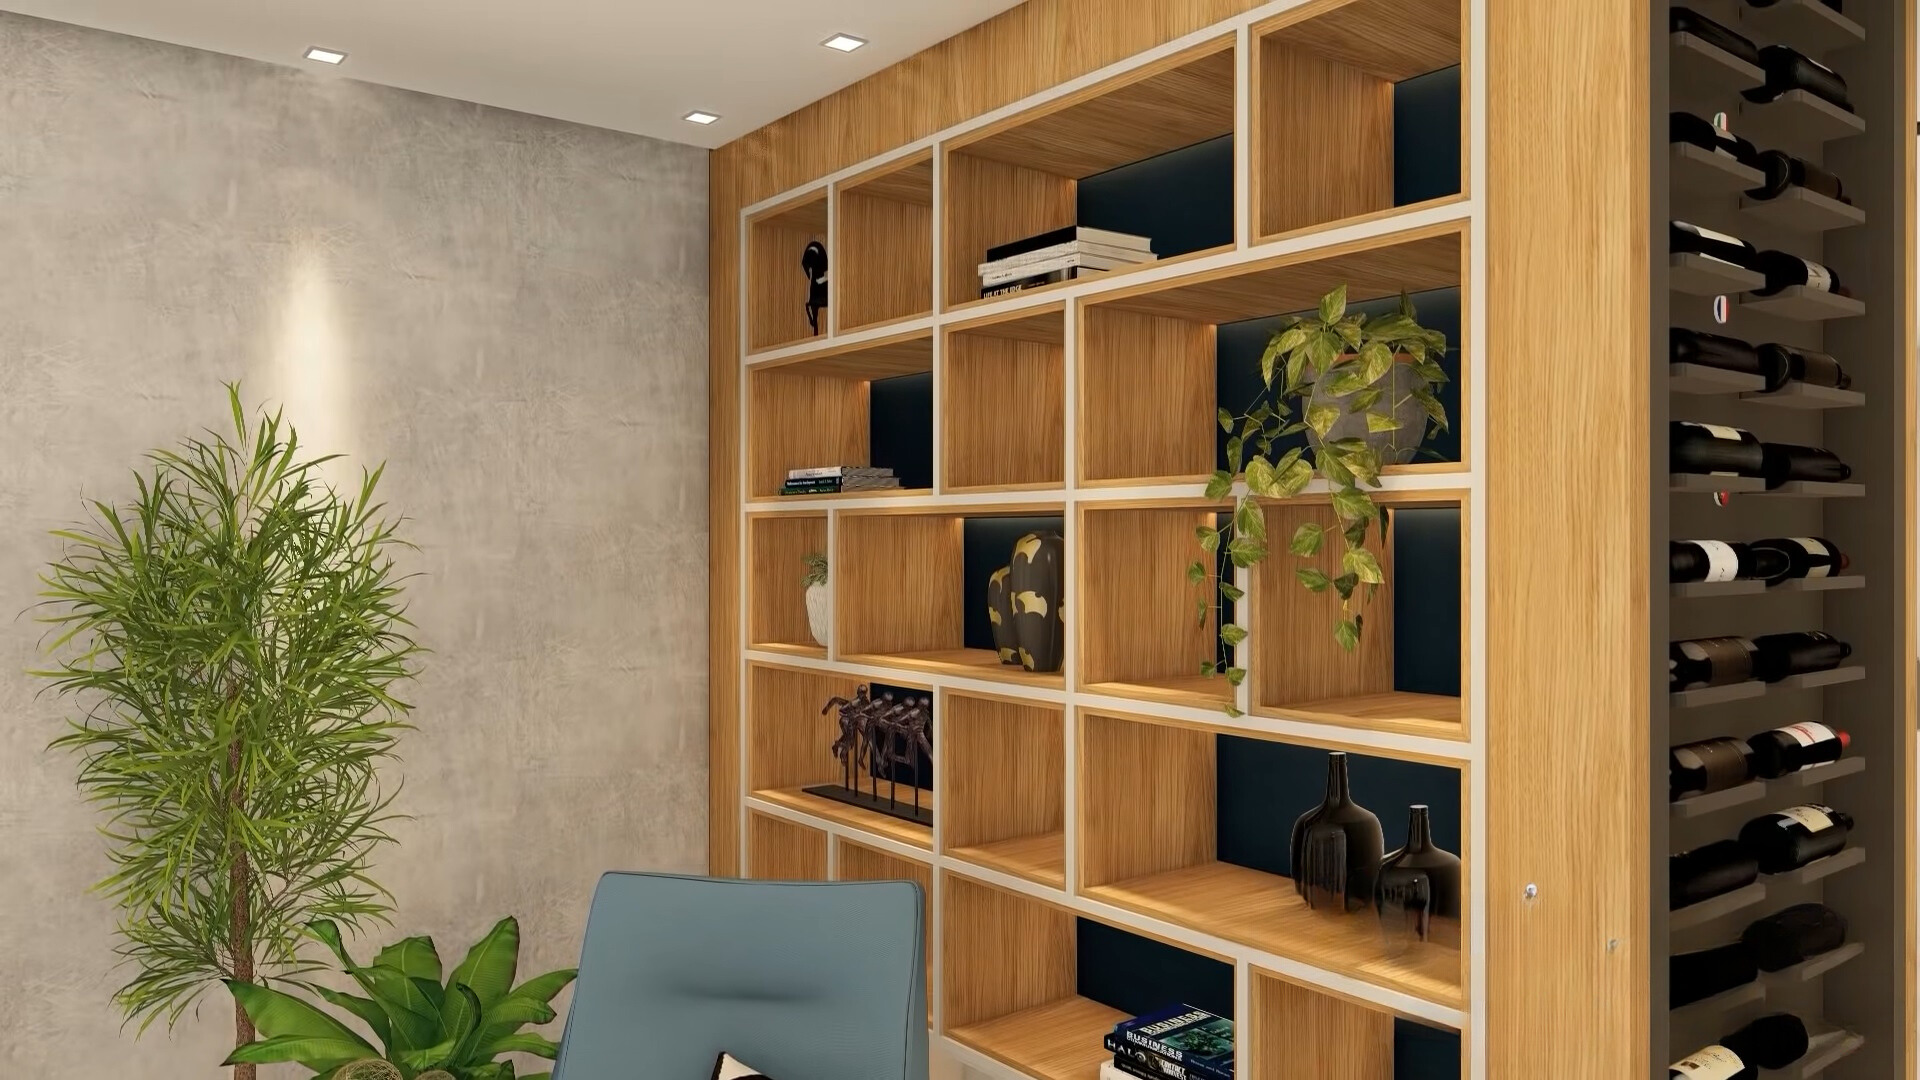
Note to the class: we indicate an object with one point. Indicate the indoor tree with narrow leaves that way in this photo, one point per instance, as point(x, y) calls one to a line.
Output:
point(232, 638)
point(1377, 375)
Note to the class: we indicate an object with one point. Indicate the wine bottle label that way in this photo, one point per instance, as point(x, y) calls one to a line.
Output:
point(1818, 277)
point(1718, 431)
point(1806, 734)
point(1732, 651)
point(1712, 1063)
point(1723, 563)
point(1816, 548)
point(1723, 761)
point(1812, 818)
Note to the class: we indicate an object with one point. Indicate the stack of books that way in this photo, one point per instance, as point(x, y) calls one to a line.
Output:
point(1061, 255)
point(833, 479)
point(1175, 1043)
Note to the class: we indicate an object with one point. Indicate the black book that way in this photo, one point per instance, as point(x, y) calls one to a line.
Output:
point(1067, 236)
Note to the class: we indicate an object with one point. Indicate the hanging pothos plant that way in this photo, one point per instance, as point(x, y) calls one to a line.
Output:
point(1362, 391)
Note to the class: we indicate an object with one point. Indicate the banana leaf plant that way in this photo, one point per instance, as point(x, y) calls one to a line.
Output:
point(421, 1023)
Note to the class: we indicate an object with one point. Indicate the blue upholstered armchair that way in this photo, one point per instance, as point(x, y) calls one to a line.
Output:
point(806, 981)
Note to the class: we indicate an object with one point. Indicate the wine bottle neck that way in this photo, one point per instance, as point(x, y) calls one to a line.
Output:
point(1336, 778)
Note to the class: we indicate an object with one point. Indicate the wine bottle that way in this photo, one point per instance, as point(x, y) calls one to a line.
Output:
point(1717, 661)
point(1794, 935)
point(1684, 237)
point(1788, 70)
point(1781, 364)
point(1782, 463)
point(1807, 556)
point(1771, 1042)
point(1685, 127)
point(1784, 171)
point(1794, 748)
point(1776, 656)
point(1696, 976)
point(1723, 560)
point(1783, 271)
point(1703, 768)
point(1714, 449)
point(1792, 838)
point(1707, 872)
point(1682, 20)
point(1713, 350)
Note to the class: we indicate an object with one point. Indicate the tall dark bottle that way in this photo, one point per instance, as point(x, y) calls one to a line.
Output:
point(1702, 768)
point(1418, 894)
point(1771, 1042)
point(1696, 976)
point(1785, 171)
point(1783, 271)
point(1782, 364)
point(1686, 346)
point(1717, 661)
point(1723, 560)
point(1776, 656)
point(1783, 463)
point(1788, 70)
point(1705, 872)
point(1795, 747)
point(1794, 935)
point(1684, 237)
point(1686, 20)
point(1685, 127)
point(1714, 449)
point(1806, 556)
point(1794, 837)
point(1337, 847)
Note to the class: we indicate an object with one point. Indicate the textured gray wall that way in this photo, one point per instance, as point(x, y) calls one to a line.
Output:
point(510, 311)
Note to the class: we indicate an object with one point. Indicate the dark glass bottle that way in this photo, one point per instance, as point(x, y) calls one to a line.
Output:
point(1807, 556)
point(1706, 872)
point(1702, 768)
point(1337, 847)
point(1723, 560)
point(1684, 237)
point(1785, 171)
point(1792, 838)
point(1788, 70)
point(1685, 127)
point(1783, 271)
point(1689, 21)
point(1782, 364)
point(1714, 449)
point(1776, 656)
point(1795, 747)
point(1418, 894)
point(1713, 350)
point(1783, 463)
point(1696, 976)
point(1771, 1042)
point(1717, 661)
point(1794, 935)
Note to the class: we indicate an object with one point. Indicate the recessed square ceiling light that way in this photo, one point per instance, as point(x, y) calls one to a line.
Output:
point(844, 42)
point(326, 56)
point(698, 117)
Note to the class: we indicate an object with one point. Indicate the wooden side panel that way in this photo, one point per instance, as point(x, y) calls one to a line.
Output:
point(801, 421)
point(724, 629)
point(1000, 952)
point(899, 589)
point(780, 850)
point(1005, 770)
point(776, 600)
point(1148, 799)
point(1302, 101)
point(1297, 657)
point(1151, 382)
point(1303, 1034)
point(1005, 403)
point(988, 203)
point(1134, 574)
point(884, 260)
point(1568, 509)
point(789, 738)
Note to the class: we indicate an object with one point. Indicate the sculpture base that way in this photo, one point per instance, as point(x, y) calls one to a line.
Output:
point(879, 804)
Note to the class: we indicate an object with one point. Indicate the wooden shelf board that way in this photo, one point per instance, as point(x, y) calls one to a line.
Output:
point(788, 648)
point(1700, 380)
point(908, 353)
point(1392, 40)
point(878, 493)
point(1048, 325)
point(1040, 859)
point(1703, 484)
point(1798, 395)
point(1807, 25)
point(1431, 715)
point(806, 213)
point(1721, 1003)
point(1697, 275)
point(1060, 1040)
point(1743, 794)
point(1817, 489)
point(1845, 859)
point(1818, 1060)
point(1701, 69)
point(908, 182)
point(1805, 211)
point(1697, 590)
point(1800, 117)
point(984, 305)
point(1753, 688)
point(853, 817)
point(968, 663)
point(1717, 907)
point(1813, 967)
point(1200, 691)
point(1802, 304)
point(1700, 171)
point(1262, 911)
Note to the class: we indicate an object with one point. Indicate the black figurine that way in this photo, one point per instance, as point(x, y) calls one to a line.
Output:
point(813, 262)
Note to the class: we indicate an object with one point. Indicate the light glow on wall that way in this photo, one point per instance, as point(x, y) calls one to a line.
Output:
point(312, 373)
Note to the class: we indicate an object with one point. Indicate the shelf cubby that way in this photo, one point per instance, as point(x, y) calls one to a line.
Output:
point(1700, 69)
point(1003, 785)
point(883, 256)
point(910, 589)
point(1003, 402)
point(1699, 171)
point(1800, 120)
point(1138, 634)
point(1378, 77)
point(1022, 176)
point(1405, 674)
point(776, 599)
point(1166, 336)
point(781, 850)
point(862, 862)
point(866, 403)
point(1810, 26)
point(1300, 1032)
point(1805, 211)
point(776, 287)
point(1209, 851)
point(1802, 304)
point(789, 740)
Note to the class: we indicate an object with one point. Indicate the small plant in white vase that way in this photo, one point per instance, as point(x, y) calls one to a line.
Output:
point(816, 583)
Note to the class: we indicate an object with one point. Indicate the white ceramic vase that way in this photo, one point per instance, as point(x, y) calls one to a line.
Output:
point(817, 613)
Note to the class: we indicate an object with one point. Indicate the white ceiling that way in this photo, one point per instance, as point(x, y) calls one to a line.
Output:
point(631, 65)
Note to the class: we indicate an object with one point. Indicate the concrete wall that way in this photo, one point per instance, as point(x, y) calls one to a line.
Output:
point(511, 312)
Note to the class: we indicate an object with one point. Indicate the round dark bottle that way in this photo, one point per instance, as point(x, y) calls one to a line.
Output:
point(1337, 847)
point(1784, 463)
point(1706, 872)
point(1685, 127)
point(1806, 556)
point(1777, 656)
point(1714, 449)
point(1718, 661)
point(1782, 364)
point(1722, 560)
point(1795, 747)
point(1418, 894)
point(1783, 271)
point(1696, 976)
point(1686, 346)
point(1794, 935)
point(1685, 237)
point(1788, 70)
point(1785, 171)
point(1702, 768)
point(1794, 837)
point(1771, 1042)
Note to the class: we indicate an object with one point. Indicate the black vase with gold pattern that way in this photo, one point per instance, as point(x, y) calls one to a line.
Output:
point(1336, 848)
point(1000, 616)
point(1036, 584)
point(1418, 894)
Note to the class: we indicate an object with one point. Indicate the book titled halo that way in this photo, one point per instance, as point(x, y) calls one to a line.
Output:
point(1179, 1042)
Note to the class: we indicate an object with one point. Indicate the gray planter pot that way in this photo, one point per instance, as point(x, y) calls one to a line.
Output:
point(1394, 447)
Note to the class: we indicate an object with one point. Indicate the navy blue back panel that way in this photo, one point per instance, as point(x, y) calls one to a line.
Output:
point(987, 545)
point(1424, 1053)
point(1181, 200)
point(1138, 975)
point(1426, 137)
point(1426, 600)
point(900, 427)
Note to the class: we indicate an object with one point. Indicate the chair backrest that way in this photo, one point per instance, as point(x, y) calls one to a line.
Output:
point(802, 980)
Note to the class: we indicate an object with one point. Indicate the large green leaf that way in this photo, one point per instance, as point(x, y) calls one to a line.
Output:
point(464, 1022)
point(1333, 305)
point(1306, 539)
point(427, 1057)
point(317, 1052)
point(414, 957)
point(523, 1043)
point(275, 1013)
point(369, 1013)
point(415, 1022)
point(490, 964)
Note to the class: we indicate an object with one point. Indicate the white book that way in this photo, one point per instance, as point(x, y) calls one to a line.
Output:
point(1077, 247)
point(1063, 262)
point(828, 472)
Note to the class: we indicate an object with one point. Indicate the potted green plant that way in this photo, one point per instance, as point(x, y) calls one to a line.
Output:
point(1361, 392)
point(815, 580)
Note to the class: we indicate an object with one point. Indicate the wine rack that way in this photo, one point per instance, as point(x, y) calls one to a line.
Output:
point(1856, 1000)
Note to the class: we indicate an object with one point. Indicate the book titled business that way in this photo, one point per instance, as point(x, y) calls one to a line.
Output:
point(1196, 1043)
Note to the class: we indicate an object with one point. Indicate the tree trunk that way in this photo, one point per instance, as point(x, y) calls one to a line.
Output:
point(240, 940)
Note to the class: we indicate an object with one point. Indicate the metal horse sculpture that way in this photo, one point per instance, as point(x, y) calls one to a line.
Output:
point(877, 732)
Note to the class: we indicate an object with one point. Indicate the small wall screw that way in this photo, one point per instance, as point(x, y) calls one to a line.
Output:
point(1531, 891)
point(1613, 943)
